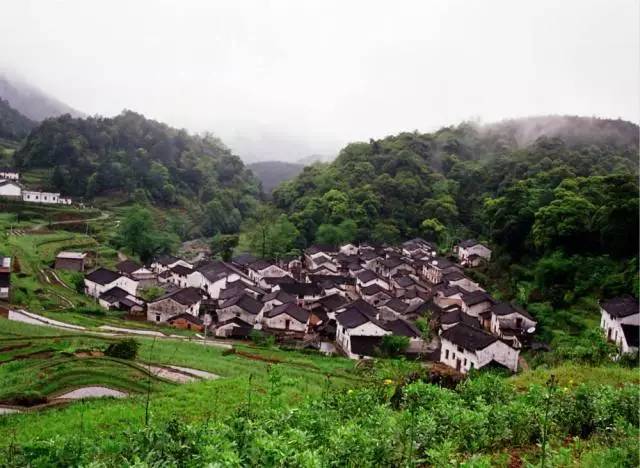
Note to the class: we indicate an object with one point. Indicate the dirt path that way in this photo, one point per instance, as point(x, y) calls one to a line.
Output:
point(91, 392)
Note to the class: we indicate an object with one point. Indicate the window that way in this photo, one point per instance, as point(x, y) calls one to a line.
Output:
point(157, 317)
point(446, 354)
point(459, 349)
point(465, 361)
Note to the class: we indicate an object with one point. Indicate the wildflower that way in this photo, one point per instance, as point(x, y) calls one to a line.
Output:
point(388, 381)
point(350, 391)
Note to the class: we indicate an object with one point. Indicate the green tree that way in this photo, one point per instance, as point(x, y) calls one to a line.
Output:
point(222, 245)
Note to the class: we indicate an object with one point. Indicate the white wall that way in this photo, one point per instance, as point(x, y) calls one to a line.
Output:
point(279, 322)
point(612, 327)
point(10, 190)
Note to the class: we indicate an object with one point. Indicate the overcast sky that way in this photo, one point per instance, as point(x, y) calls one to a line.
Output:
point(284, 79)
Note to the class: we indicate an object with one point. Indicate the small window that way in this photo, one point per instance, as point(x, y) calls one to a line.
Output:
point(157, 317)
point(446, 354)
point(459, 349)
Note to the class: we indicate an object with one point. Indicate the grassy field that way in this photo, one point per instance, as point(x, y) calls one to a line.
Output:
point(54, 367)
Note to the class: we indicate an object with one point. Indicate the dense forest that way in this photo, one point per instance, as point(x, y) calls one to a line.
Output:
point(145, 160)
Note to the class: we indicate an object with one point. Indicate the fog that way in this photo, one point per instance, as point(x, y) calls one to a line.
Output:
point(286, 79)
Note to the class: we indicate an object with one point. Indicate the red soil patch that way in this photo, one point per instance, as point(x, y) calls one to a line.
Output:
point(6, 349)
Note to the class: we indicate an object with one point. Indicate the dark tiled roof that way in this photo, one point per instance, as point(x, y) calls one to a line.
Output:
point(454, 276)
point(441, 263)
point(291, 309)
point(181, 270)
point(332, 302)
point(114, 295)
point(187, 317)
point(166, 259)
point(102, 276)
point(128, 266)
point(363, 306)
point(366, 275)
point(402, 328)
point(468, 337)
point(245, 302)
point(353, 317)
point(505, 308)
point(457, 316)
point(259, 265)
point(365, 345)
point(396, 305)
point(280, 295)
point(372, 289)
point(620, 307)
point(216, 270)
point(5, 279)
point(468, 243)
point(392, 262)
point(404, 281)
point(184, 296)
point(279, 280)
point(476, 297)
point(631, 334)
point(305, 289)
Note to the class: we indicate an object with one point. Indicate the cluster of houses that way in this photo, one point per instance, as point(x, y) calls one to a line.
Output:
point(344, 299)
point(10, 187)
point(5, 277)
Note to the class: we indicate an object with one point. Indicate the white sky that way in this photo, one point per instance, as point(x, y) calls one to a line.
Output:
point(284, 79)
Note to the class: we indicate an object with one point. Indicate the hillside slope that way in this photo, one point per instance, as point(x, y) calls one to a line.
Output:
point(273, 173)
point(31, 101)
point(13, 125)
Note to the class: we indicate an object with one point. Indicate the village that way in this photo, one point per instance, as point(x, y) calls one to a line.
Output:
point(11, 188)
point(355, 300)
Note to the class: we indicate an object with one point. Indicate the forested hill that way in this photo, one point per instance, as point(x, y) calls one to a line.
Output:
point(273, 173)
point(455, 177)
point(129, 154)
point(13, 125)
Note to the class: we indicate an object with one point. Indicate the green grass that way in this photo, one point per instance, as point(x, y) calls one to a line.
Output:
point(304, 375)
point(570, 375)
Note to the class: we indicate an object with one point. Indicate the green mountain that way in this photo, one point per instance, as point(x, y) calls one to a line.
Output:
point(138, 159)
point(13, 125)
point(273, 173)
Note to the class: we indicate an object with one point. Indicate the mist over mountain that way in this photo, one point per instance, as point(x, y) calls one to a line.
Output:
point(13, 125)
point(31, 101)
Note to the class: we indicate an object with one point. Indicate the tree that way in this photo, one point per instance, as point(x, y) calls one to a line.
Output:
point(223, 244)
point(434, 230)
point(393, 345)
point(337, 234)
point(141, 236)
point(270, 235)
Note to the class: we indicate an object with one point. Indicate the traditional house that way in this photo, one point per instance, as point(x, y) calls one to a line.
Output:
point(315, 255)
point(261, 269)
point(10, 189)
point(180, 275)
point(8, 173)
point(349, 249)
point(510, 322)
point(305, 292)
point(5, 277)
point(369, 278)
point(394, 265)
point(436, 268)
point(329, 304)
point(243, 261)
point(392, 309)
point(620, 319)
point(418, 247)
point(233, 328)
point(472, 253)
point(286, 318)
point(72, 261)
point(375, 294)
point(138, 272)
point(244, 307)
point(239, 287)
point(401, 327)
point(119, 299)
point(476, 303)
point(49, 198)
point(101, 280)
point(465, 347)
point(358, 334)
point(186, 321)
point(213, 276)
point(276, 298)
point(185, 300)
point(453, 316)
point(166, 262)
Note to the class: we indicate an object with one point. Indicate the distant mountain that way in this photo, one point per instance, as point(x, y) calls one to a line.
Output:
point(13, 125)
point(31, 101)
point(272, 173)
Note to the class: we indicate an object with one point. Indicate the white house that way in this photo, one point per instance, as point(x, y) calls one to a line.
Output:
point(101, 280)
point(434, 269)
point(620, 320)
point(368, 278)
point(465, 347)
point(349, 249)
point(260, 269)
point(118, 298)
point(509, 321)
point(10, 189)
point(51, 198)
point(244, 307)
point(6, 173)
point(213, 276)
point(166, 262)
point(471, 252)
point(287, 317)
point(357, 333)
point(185, 300)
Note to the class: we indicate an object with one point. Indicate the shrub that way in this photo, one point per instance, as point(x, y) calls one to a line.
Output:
point(261, 338)
point(393, 345)
point(125, 349)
